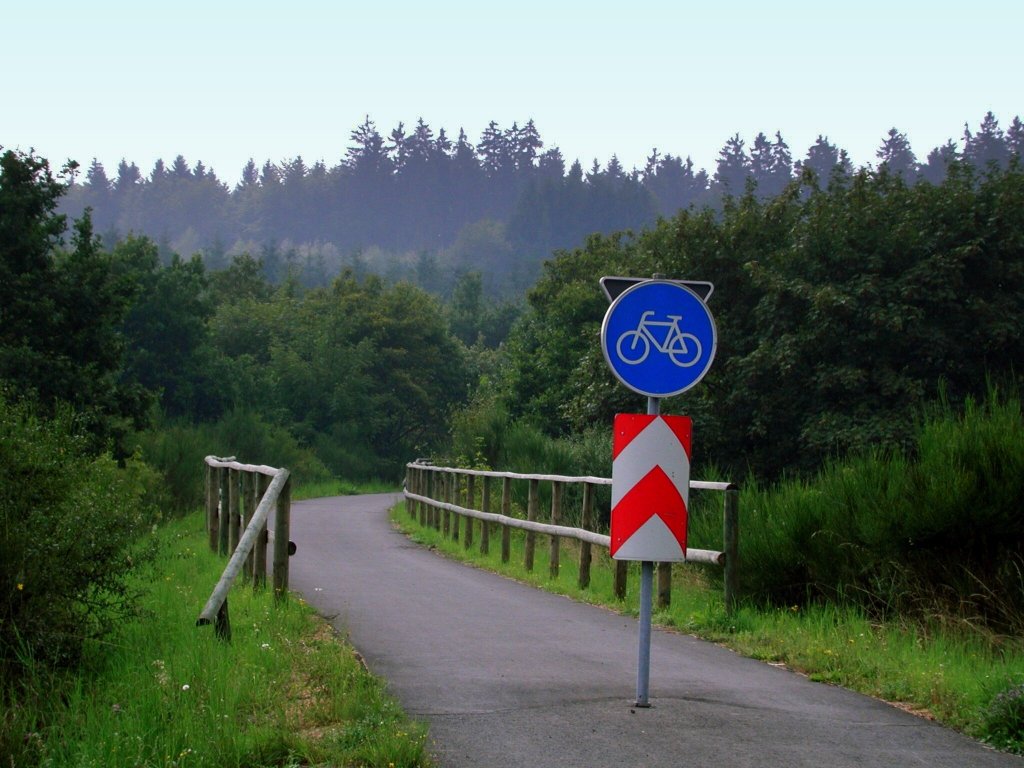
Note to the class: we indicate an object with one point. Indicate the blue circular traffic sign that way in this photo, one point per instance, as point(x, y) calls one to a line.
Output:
point(659, 338)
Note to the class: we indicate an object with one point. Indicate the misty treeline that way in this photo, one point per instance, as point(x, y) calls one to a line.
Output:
point(348, 379)
point(421, 205)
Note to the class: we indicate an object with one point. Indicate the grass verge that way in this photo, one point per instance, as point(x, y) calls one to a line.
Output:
point(966, 680)
point(285, 691)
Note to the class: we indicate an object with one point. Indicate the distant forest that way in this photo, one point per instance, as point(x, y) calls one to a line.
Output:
point(421, 206)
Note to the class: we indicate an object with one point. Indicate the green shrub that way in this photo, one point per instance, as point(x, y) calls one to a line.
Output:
point(69, 536)
point(937, 533)
point(177, 451)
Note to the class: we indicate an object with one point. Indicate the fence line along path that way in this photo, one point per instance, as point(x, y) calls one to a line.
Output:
point(445, 498)
point(237, 493)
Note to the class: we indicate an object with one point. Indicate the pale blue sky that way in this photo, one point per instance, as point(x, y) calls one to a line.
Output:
point(224, 81)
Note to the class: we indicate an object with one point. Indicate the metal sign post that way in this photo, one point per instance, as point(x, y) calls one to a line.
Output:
point(643, 660)
point(659, 339)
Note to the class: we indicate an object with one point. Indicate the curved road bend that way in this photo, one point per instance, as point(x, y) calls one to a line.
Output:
point(508, 675)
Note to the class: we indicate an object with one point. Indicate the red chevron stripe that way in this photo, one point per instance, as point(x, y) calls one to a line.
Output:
point(627, 427)
point(654, 495)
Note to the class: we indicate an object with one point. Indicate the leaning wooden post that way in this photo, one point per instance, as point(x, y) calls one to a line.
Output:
point(506, 510)
point(234, 511)
point(731, 531)
point(619, 581)
point(531, 515)
point(259, 560)
point(470, 504)
point(664, 585)
point(586, 522)
point(212, 504)
point(485, 527)
point(282, 546)
point(556, 518)
point(223, 513)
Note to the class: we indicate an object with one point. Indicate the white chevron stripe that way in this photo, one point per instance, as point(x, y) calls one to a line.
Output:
point(656, 445)
point(652, 541)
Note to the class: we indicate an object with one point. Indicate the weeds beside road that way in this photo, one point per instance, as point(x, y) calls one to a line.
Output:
point(284, 691)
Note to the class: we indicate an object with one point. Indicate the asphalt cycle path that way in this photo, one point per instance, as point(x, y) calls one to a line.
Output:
point(509, 676)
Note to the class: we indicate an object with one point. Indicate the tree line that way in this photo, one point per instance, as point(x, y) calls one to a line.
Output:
point(843, 311)
point(129, 340)
point(418, 205)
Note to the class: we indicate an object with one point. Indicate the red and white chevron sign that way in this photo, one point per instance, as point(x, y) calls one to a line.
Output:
point(650, 487)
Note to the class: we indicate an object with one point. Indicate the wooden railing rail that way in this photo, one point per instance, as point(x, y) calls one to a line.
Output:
point(233, 490)
point(433, 494)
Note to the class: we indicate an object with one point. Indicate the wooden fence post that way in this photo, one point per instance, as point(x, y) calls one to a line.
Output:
point(409, 485)
point(506, 510)
point(435, 493)
point(223, 513)
point(467, 540)
point(234, 512)
point(222, 625)
point(485, 527)
point(422, 489)
point(664, 585)
point(446, 489)
point(556, 518)
point(212, 506)
point(586, 522)
point(282, 530)
point(456, 500)
point(731, 534)
point(619, 582)
point(259, 562)
point(531, 515)
point(251, 500)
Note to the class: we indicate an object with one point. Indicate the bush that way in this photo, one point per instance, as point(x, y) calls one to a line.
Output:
point(936, 533)
point(69, 532)
point(177, 450)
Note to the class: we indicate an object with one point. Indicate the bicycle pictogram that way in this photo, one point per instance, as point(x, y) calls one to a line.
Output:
point(683, 349)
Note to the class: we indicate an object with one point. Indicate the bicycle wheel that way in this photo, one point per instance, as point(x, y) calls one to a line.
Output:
point(638, 347)
point(684, 350)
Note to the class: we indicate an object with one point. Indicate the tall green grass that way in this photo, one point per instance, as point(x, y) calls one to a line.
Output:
point(937, 535)
point(164, 692)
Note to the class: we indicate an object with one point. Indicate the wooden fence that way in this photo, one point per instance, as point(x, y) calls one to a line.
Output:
point(435, 494)
point(245, 492)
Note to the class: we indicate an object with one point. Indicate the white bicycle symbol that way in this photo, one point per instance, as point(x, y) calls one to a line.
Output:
point(634, 346)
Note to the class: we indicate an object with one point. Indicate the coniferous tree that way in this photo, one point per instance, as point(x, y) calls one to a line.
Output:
point(551, 165)
point(826, 162)
point(1015, 138)
point(939, 160)
point(896, 156)
point(128, 177)
point(180, 169)
point(733, 167)
point(987, 148)
point(159, 172)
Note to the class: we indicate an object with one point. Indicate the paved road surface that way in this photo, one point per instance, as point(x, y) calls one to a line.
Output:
point(509, 676)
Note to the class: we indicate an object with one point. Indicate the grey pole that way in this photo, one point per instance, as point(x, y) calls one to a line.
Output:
point(643, 667)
